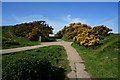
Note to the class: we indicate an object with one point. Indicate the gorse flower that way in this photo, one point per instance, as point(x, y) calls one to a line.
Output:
point(33, 30)
point(83, 34)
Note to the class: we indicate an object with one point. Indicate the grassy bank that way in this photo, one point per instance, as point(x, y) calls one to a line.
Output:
point(101, 61)
point(9, 40)
point(46, 63)
point(66, 39)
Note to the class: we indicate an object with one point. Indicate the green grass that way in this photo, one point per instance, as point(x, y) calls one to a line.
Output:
point(9, 40)
point(66, 39)
point(101, 61)
point(46, 63)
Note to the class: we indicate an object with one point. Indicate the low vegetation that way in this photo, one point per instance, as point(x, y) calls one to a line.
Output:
point(46, 63)
point(66, 39)
point(102, 61)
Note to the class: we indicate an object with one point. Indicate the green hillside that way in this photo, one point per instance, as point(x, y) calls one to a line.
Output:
point(10, 40)
point(102, 61)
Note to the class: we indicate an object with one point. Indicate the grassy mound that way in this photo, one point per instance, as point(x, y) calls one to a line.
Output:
point(46, 63)
point(9, 40)
point(102, 61)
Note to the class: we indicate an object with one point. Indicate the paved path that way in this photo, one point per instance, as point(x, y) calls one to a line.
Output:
point(78, 69)
point(5, 51)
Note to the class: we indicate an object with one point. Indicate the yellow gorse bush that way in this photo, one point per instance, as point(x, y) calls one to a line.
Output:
point(83, 34)
point(33, 30)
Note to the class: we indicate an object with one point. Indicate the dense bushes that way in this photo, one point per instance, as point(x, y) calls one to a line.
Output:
point(73, 30)
point(47, 39)
point(32, 68)
point(86, 39)
point(83, 34)
point(33, 30)
point(25, 69)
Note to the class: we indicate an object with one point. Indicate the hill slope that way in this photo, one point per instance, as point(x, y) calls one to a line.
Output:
point(102, 61)
point(9, 40)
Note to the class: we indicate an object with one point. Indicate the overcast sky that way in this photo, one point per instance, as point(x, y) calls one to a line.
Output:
point(59, 14)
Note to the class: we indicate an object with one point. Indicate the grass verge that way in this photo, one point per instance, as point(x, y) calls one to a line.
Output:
point(101, 61)
point(46, 63)
point(10, 40)
point(66, 39)
point(18, 42)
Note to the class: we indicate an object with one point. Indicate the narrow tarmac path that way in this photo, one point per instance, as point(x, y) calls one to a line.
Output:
point(5, 51)
point(78, 68)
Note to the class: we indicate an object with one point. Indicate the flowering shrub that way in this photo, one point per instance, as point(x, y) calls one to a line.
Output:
point(85, 39)
point(72, 30)
point(83, 34)
point(33, 30)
